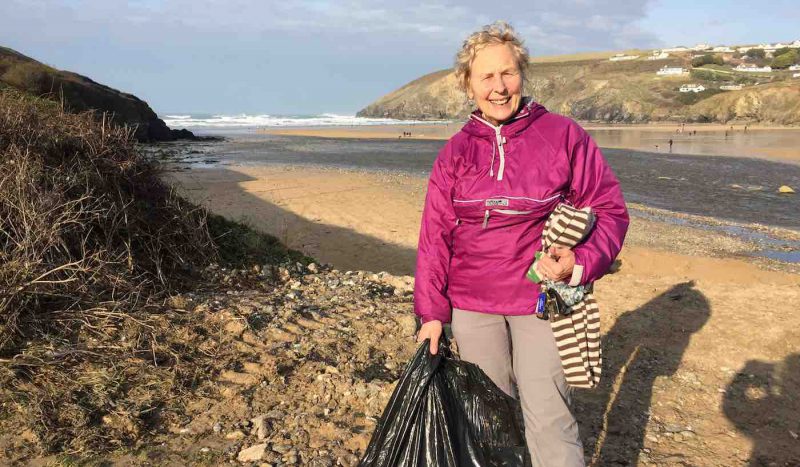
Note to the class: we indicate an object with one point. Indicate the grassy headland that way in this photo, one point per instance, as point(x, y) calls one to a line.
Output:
point(590, 87)
point(78, 93)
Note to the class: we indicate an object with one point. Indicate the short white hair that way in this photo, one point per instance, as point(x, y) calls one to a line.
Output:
point(499, 32)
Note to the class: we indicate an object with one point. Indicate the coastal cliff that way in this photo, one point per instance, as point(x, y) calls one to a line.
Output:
point(590, 87)
point(80, 93)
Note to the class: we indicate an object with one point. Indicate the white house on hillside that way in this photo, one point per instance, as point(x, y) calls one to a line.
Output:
point(722, 48)
point(672, 71)
point(794, 68)
point(795, 44)
point(701, 47)
point(623, 57)
point(658, 55)
point(692, 88)
point(731, 87)
point(796, 75)
point(750, 68)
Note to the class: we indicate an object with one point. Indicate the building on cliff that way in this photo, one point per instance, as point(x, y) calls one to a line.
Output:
point(692, 88)
point(672, 71)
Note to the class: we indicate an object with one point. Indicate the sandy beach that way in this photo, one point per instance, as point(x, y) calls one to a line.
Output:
point(691, 293)
point(321, 212)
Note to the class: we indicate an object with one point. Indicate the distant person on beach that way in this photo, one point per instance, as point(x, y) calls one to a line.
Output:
point(491, 189)
point(670, 145)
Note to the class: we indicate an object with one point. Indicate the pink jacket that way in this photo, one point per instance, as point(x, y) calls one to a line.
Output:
point(490, 191)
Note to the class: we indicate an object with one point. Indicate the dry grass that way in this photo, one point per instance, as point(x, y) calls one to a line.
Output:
point(92, 244)
point(85, 223)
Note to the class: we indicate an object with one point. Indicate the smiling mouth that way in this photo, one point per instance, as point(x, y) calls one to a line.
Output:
point(503, 101)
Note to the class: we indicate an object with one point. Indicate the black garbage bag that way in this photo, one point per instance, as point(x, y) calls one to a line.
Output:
point(447, 412)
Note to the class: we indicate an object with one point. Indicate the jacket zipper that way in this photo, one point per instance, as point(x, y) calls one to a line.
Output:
point(501, 140)
point(549, 198)
point(514, 212)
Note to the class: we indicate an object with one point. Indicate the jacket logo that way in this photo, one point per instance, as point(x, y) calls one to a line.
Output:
point(496, 202)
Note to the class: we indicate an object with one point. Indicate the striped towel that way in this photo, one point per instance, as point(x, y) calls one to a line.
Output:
point(578, 333)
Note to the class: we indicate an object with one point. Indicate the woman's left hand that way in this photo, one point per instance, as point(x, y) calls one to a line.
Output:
point(557, 265)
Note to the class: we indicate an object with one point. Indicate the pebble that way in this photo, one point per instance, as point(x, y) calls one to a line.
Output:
point(253, 453)
point(259, 427)
point(673, 428)
point(217, 427)
point(280, 448)
point(234, 435)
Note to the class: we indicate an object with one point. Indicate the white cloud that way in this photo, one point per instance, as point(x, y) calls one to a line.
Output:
point(557, 24)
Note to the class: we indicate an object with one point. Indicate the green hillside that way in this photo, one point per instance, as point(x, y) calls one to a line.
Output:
point(591, 87)
point(79, 93)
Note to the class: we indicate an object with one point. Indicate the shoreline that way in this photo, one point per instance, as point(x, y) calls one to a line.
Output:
point(774, 143)
point(444, 131)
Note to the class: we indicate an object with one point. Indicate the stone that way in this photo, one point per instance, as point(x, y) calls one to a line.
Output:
point(259, 427)
point(253, 453)
point(673, 428)
point(407, 324)
point(234, 435)
point(280, 448)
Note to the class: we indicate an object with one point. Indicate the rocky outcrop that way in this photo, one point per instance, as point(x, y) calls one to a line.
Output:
point(80, 93)
point(595, 89)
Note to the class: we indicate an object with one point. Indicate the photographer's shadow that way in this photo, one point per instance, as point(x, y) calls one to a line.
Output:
point(643, 344)
point(763, 402)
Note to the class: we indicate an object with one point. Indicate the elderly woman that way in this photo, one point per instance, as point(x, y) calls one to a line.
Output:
point(490, 192)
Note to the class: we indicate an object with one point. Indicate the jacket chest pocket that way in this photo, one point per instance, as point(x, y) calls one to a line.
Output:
point(503, 210)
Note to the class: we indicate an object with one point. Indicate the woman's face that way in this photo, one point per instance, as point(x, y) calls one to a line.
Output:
point(495, 83)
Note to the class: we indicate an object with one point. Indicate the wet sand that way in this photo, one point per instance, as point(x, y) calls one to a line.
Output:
point(759, 141)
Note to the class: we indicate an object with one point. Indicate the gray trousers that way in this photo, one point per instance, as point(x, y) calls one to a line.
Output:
point(522, 350)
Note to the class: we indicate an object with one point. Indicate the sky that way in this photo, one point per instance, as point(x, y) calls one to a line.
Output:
point(313, 56)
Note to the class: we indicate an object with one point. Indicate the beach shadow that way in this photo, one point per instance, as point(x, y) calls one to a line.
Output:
point(763, 402)
point(346, 249)
point(643, 345)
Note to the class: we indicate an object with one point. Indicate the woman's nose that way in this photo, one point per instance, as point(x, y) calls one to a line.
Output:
point(499, 85)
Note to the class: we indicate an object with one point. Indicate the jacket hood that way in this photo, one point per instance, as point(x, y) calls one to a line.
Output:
point(529, 111)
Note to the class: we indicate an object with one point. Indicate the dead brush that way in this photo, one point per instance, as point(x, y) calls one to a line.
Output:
point(91, 242)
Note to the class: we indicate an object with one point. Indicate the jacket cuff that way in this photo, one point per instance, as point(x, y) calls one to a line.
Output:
point(425, 319)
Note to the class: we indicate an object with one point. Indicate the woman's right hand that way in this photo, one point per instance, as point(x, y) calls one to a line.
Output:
point(431, 330)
